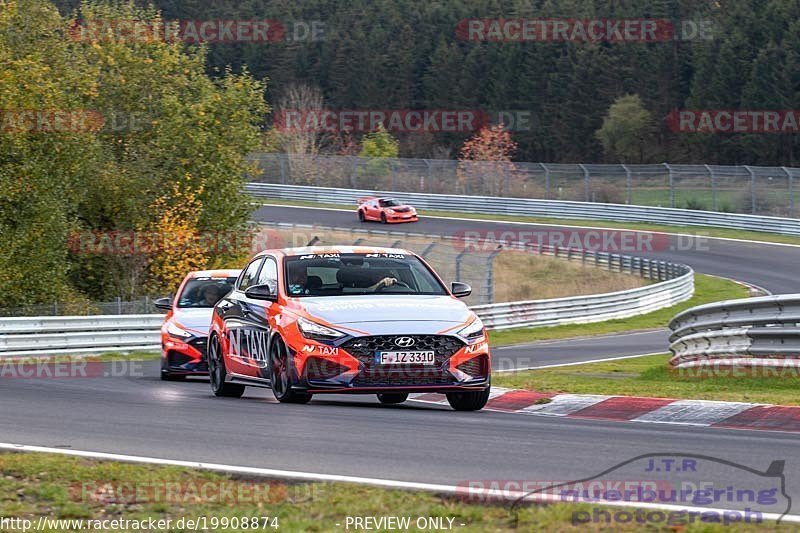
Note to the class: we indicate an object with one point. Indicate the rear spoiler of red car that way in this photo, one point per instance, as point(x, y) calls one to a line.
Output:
point(365, 199)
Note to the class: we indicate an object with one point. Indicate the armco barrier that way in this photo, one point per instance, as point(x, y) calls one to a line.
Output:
point(92, 334)
point(64, 335)
point(747, 332)
point(535, 208)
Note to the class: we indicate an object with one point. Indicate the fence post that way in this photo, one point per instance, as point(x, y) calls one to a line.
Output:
point(585, 182)
point(422, 178)
point(146, 304)
point(752, 189)
point(627, 184)
point(546, 181)
point(459, 257)
point(428, 249)
point(671, 185)
point(791, 191)
point(282, 158)
point(713, 187)
point(119, 305)
point(490, 275)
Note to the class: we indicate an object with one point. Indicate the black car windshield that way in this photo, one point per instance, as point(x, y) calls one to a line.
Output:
point(204, 292)
point(390, 202)
point(349, 274)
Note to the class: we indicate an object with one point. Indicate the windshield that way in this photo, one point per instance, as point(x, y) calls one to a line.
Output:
point(358, 274)
point(204, 292)
point(390, 202)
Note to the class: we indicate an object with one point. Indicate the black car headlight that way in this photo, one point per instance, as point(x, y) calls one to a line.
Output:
point(312, 330)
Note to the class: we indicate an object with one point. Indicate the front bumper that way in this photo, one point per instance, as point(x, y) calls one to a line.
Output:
point(184, 357)
point(400, 218)
point(352, 367)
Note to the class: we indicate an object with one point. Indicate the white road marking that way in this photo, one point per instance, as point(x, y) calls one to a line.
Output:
point(377, 482)
point(564, 404)
point(576, 363)
point(694, 412)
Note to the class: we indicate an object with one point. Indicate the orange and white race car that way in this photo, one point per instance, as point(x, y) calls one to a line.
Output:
point(315, 320)
point(386, 210)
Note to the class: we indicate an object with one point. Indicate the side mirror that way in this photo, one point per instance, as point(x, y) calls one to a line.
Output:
point(460, 290)
point(164, 304)
point(260, 292)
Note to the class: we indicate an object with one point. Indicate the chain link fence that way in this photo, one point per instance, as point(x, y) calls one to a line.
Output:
point(769, 191)
point(143, 305)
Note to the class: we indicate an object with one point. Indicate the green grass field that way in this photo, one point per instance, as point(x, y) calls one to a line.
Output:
point(707, 289)
point(62, 487)
point(649, 376)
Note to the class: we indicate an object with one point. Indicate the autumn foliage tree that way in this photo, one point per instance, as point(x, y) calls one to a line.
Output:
point(485, 165)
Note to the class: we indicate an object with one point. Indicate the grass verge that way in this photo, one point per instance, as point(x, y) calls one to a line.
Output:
point(63, 487)
point(649, 376)
point(664, 228)
point(707, 289)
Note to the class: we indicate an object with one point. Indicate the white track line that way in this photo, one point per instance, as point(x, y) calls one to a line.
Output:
point(557, 365)
point(409, 485)
point(557, 225)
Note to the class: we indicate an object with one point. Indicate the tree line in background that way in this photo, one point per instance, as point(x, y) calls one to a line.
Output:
point(404, 54)
point(110, 202)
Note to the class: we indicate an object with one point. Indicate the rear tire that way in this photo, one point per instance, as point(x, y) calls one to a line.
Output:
point(280, 375)
point(392, 398)
point(217, 372)
point(361, 216)
point(468, 401)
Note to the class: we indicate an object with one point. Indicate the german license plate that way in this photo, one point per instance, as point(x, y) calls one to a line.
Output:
point(406, 358)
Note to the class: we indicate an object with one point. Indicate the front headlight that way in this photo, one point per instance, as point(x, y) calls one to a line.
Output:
point(473, 330)
point(390, 211)
point(177, 331)
point(312, 330)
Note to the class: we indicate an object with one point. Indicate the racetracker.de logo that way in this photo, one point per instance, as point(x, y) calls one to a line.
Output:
point(581, 30)
point(186, 31)
point(780, 121)
point(393, 120)
point(615, 241)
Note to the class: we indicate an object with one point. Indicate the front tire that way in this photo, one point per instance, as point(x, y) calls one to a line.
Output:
point(280, 375)
point(383, 218)
point(392, 398)
point(468, 401)
point(361, 216)
point(217, 372)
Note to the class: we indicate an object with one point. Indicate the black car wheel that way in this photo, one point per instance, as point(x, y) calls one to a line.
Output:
point(280, 375)
point(392, 398)
point(383, 218)
point(468, 401)
point(217, 372)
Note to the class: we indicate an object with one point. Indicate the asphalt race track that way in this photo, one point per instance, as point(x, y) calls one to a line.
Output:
point(355, 436)
point(140, 415)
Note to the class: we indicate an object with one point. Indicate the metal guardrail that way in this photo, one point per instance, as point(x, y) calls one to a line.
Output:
point(747, 332)
point(535, 208)
point(64, 335)
point(769, 191)
point(35, 336)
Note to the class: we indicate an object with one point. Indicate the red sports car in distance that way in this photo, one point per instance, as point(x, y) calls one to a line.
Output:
point(386, 210)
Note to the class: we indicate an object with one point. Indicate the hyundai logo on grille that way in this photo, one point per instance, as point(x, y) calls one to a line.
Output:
point(404, 342)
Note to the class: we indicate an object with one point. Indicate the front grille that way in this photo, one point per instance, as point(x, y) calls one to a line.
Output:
point(374, 375)
point(318, 368)
point(199, 343)
point(475, 367)
point(402, 209)
point(378, 377)
point(364, 348)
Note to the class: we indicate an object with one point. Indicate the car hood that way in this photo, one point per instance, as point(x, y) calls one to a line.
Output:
point(196, 320)
point(389, 314)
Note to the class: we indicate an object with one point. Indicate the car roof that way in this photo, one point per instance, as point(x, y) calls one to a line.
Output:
point(219, 273)
point(336, 250)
